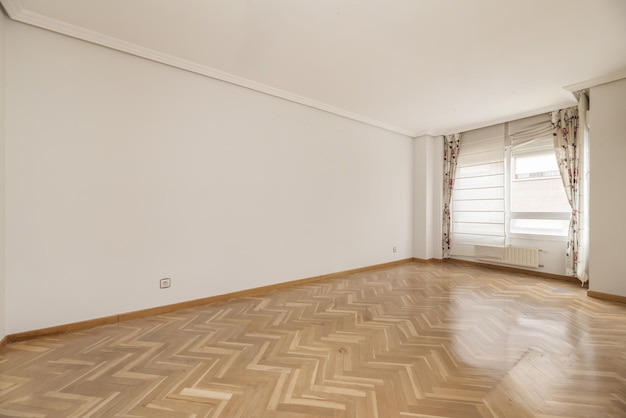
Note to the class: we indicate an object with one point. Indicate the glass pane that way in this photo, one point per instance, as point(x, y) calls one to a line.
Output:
point(539, 195)
point(540, 226)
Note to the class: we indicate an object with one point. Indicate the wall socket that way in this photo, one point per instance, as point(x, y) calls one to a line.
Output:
point(165, 283)
point(395, 249)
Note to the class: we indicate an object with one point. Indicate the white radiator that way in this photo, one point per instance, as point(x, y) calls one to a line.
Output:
point(514, 256)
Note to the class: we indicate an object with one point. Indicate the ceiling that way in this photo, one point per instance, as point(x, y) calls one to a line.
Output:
point(410, 66)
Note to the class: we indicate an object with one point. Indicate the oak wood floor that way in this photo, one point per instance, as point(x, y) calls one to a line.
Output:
point(415, 340)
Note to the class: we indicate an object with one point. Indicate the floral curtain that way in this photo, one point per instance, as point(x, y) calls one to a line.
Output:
point(582, 267)
point(569, 140)
point(450, 156)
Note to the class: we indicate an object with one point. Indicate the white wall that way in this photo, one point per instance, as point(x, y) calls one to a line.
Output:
point(3, 20)
point(121, 171)
point(607, 224)
point(427, 197)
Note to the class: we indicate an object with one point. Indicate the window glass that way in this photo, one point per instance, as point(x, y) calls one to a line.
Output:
point(538, 202)
point(558, 227)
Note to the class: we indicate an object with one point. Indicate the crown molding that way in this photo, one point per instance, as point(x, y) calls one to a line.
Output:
point(471, 127)
point(12, 7)
point(607, 78)
point(16, 12)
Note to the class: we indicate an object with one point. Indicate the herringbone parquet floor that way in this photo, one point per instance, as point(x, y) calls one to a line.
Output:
point(415, 340)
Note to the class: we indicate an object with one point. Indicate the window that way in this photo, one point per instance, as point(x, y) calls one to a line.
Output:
point(507, 184)
point(538, 204)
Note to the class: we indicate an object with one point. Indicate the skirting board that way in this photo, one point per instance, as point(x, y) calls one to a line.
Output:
point(516, 270)
point(91, 323)
point(427, 260)
point(606, 296)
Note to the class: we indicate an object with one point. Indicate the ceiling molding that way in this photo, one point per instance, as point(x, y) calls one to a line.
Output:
point(18, 13)
point(12, 7)
point(607, 78)
point(471, 127)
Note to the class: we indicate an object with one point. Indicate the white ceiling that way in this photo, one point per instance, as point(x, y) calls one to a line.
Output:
point(410, 66)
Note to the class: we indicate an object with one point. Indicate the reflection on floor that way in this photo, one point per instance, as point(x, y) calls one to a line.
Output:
point(415, 340)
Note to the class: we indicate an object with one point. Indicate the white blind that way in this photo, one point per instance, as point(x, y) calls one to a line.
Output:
point(478, 194)
point(527, 130)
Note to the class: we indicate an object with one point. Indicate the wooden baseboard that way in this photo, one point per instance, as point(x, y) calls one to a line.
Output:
point(62, 329)
point(606, 296)
point(427, 260)
point(91, 323)
point(3, 343)
point(515, 270)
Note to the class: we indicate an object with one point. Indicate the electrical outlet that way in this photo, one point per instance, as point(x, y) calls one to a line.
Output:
point(165, 283)
point(395, 249)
